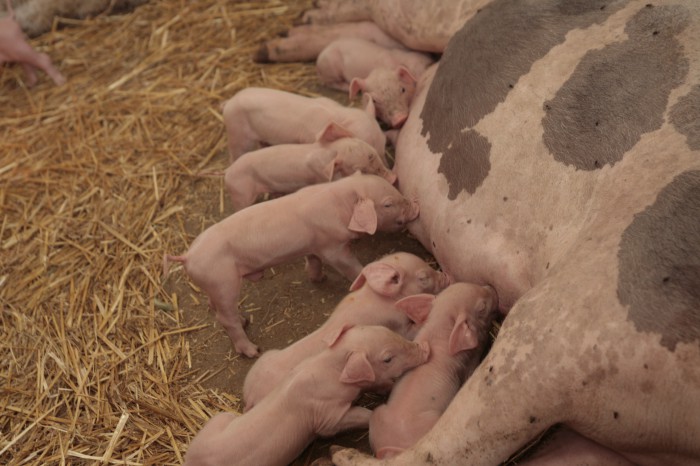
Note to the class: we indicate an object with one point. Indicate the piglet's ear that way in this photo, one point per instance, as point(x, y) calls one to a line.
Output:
point(364, 217)
point(383, 279)
point(357, 369)
point(369, 106)
point(330, 168)
point(417, 307)
point(359, 282)
point(462, 338)
point(332, 337)
point(405, 76)
point(332, 132)
point(356, 85)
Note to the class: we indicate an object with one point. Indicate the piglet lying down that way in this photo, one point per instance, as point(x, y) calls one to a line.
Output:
point(318, 222)
point(315, 399)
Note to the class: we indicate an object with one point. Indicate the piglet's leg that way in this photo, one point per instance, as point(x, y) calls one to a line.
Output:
point(337, 12)
point(343, 260)
point(208, 438)
point(225, 302)
point(14, 48)
point(314, 268)
point(357, 417)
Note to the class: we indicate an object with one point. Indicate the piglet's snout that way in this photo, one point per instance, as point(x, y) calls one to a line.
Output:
point(444, 280)
point(414, 210)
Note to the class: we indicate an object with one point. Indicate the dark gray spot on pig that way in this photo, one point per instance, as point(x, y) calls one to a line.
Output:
point(659, 264)
point(618, 93)
point(685, 116)
point(466, 163)
point(487, 57)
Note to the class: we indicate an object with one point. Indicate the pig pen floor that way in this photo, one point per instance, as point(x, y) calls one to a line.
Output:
point(101, 362)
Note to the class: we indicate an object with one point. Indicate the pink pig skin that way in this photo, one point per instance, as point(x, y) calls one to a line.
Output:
point(14, 48)
point(348, 58)
point(286, 168)
point(457, 327)
point(315, 399)
point(370, 302)
point(304, 43)
point(389, 76)
point(318, 221)
point(271, 116)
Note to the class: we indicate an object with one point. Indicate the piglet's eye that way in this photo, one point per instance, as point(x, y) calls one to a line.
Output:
point(403, 89)
point(388, 359)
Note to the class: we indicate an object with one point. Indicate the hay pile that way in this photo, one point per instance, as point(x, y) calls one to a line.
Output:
point(94, 179)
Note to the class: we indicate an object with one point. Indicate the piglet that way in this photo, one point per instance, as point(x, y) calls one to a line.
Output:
point(315, 399)
point(318, 221)
point(457, 329)
point(286, 168)
point(14, 48)
point(272, 116)
point(388, 75)
point(370, 302)
point(304, 43)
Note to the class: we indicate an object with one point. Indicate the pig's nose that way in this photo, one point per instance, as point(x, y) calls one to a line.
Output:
point(398, 120)
point(415, 210)
point(445, 280)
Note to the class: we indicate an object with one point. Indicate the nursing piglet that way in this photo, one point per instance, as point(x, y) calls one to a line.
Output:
point(318, 221)
point(315, 399)
point(389, 76)
point(272, 116)
point(370, 302)
point(286, 168)
point(457, 328)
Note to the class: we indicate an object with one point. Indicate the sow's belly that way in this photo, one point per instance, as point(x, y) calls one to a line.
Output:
point(544, 125)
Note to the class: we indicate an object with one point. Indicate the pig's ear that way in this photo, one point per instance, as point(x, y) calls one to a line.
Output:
point(330, 169)
point(364, 217)
point(405, 76)
point(369, 106)
point(332, 337)
point(357, 369)
point(384, 279)
point(356, 85)
point(332, 132)
point(462, 338)
point(359, 281)
point(417, 307)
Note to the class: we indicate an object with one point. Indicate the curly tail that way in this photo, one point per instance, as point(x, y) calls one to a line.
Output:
point(167, 258)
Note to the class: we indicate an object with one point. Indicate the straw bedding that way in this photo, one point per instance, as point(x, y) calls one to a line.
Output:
point(96, 179)
point(101, 361)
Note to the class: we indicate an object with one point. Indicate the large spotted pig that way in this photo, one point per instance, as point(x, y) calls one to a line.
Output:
point(556, 152)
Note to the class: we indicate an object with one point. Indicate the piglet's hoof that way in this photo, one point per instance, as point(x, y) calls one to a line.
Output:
point(318, 278)
point(262, 55)
point(347, 456)
point(322, 462)
point(248, 349)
